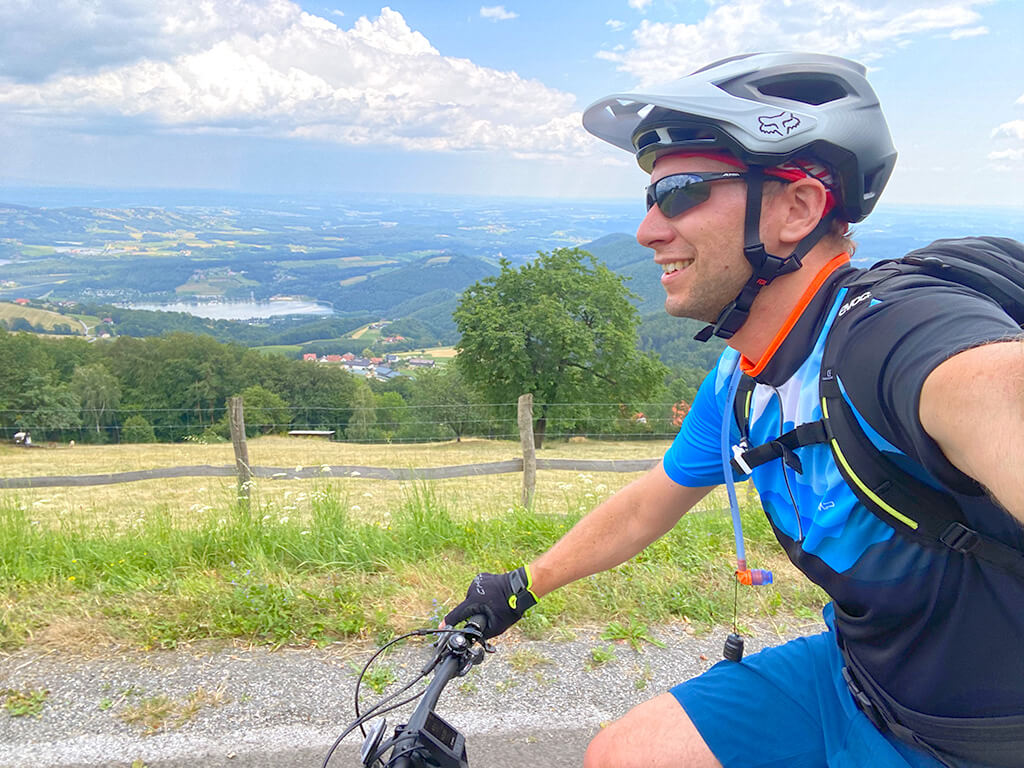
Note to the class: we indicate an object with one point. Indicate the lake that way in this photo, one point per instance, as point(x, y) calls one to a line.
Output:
point(241, 310)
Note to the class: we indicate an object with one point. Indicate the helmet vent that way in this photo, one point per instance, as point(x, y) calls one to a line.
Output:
point(807, 90)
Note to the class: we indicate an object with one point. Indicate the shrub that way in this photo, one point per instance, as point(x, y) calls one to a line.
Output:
point(137, 430)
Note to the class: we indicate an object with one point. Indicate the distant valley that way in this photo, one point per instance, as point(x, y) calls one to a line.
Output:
point(91, 256)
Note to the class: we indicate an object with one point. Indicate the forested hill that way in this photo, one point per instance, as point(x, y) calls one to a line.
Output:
point(670, 337)
point(407, 284)
point(622, 254)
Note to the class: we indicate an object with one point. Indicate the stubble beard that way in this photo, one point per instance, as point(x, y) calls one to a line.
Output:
point(707, 295)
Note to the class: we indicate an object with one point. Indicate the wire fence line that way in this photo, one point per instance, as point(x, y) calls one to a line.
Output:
point(399, 423)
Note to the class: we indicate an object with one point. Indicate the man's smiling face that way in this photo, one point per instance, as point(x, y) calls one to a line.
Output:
point(701, 250)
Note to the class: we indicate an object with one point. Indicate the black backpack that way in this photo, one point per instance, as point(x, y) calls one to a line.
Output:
point(993, 266)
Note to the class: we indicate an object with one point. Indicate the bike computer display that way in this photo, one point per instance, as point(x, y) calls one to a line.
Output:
point(441, 731)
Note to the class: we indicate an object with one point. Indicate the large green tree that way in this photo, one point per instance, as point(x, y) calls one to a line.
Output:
point(447, 399)
point(98, 393)
point(561, 328)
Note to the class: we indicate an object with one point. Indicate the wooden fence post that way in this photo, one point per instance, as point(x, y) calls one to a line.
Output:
point(237, 420)
point(529, 451)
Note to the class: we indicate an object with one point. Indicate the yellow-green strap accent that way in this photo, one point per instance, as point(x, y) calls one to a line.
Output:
point(513, 600)
point(864, 489)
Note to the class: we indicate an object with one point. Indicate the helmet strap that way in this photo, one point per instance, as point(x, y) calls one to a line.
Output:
point(765, 266)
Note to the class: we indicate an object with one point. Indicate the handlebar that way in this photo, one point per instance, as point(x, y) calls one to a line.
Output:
point(441, 740)
point(426, 739)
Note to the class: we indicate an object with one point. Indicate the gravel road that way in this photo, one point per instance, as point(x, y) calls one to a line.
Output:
point(531, 703)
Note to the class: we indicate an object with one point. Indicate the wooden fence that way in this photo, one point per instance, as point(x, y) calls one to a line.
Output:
point(244, 471)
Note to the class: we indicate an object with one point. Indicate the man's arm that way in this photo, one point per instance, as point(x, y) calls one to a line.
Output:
point(972, 406)
point(616, 530)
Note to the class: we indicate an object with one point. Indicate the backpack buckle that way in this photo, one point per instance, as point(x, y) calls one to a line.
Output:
point(864, 704)
point(738, 462)
point(960, 538)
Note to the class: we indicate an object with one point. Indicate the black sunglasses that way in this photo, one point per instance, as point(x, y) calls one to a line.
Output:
point(680, 192)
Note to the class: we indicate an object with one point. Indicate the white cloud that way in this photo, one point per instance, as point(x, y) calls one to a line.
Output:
point(639, 5)
point(338, 13)
point(957, 34)
point(857, 28)
point(615, 25)
point(40, 38)
point(1010, 136)
point(1007, 154)
point(497, 13)
point(1012, 130)
point(294, 74)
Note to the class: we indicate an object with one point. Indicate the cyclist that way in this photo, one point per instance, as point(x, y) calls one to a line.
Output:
point(758, 165)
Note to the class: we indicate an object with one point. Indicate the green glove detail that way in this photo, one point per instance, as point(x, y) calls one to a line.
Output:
point(501, 598)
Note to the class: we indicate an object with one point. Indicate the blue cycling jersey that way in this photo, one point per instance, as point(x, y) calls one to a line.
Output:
point(939, 630)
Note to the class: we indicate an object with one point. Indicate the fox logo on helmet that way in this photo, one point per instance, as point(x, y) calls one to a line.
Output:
point(781, 124)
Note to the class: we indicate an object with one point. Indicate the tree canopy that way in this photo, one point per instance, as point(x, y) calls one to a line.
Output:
point(561, 328)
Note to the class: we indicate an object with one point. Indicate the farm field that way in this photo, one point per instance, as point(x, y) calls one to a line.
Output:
point(159, 564)
point(38, 317)
point(183, 497)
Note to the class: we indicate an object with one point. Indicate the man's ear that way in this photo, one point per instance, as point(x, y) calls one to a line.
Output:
point(801, 204)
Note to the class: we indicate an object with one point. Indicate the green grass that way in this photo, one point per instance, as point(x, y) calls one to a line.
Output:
point(24, 703)
point(600, 656)
point(633, 632)
point(42, 318)
point(280, 581)
point(282, 349)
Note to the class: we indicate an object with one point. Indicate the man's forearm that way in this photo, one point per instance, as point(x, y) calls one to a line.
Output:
point(614, 531)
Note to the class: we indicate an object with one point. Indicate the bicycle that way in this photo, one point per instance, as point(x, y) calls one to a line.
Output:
point(427, 740)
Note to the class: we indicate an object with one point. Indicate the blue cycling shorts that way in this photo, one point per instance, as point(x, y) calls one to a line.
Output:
point(788, 707)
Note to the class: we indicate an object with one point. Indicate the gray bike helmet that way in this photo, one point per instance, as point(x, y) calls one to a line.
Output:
point(765, 108)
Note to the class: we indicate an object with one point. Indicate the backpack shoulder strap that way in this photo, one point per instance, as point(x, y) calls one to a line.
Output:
point(899, 499)
point(741, 405)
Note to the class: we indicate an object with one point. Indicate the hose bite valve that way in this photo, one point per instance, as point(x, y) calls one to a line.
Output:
point(754, 577)
point(733, 650)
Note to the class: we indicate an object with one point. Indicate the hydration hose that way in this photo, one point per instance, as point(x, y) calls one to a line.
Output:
point(749, 576)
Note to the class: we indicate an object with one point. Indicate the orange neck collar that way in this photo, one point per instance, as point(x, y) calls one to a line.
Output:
point(751, 368)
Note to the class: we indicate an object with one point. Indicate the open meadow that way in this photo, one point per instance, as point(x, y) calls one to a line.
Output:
point(160, 563)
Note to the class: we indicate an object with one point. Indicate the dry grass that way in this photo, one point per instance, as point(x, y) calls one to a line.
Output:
point(188, 499)
point(157, 712)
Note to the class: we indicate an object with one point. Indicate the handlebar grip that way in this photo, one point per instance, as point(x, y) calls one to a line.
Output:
point(479, 621)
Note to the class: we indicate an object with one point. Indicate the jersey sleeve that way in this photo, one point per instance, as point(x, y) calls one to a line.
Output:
point(695, 459)
point(893, 348)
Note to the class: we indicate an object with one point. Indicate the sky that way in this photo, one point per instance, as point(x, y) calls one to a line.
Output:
point(327, 97)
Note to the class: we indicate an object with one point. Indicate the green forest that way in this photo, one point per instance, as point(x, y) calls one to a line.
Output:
point(562, 328)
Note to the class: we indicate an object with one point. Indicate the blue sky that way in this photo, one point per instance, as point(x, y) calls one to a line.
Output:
point(458, 97)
